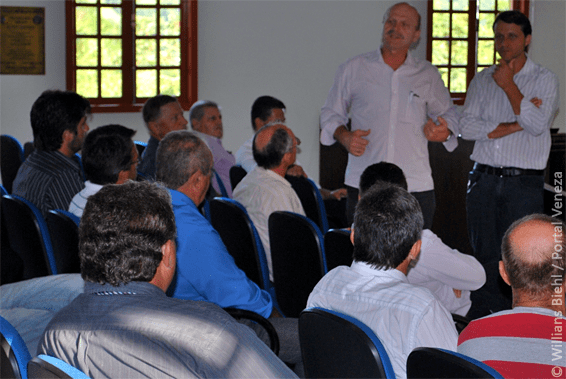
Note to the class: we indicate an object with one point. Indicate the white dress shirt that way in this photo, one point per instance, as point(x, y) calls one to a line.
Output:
point(402, 315)
point(394, 105)
point(263, 192)
point(245, 155)
point(79, 201)
point(487, 106)
point(442, 269)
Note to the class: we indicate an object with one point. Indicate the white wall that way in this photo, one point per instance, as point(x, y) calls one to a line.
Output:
point(284, 48)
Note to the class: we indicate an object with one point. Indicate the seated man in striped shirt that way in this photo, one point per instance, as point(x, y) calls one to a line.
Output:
point(528, 340)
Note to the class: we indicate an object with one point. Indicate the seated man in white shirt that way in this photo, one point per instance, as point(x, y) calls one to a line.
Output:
point(446, 272)
point(386, 235)
point(109, 156)
point(265, 190)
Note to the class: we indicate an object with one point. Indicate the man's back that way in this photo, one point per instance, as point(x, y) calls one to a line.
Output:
point(49, 180)
point(137, 331)
point(402, 315)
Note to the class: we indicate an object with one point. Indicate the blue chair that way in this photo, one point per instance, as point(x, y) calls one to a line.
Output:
point(64, 231)
point(45, 366)
point(297, 257)
point(428, 362)
point(237, 173)
point(221, 186)
point(311, 200)
point(140, 146)
point(15, 354)
point(29, 236)
point(12, 156)
point(335, 345)
point(338, 248)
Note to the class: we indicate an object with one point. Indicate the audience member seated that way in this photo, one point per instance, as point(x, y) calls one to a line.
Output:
point(386, 235)
point(206, 122)
point(162, 114)
point(265, 190)
point(109, 156)
point(51, 175)
point(205, 269)
point(528, 340)
point(447, 273)
point(123, 325)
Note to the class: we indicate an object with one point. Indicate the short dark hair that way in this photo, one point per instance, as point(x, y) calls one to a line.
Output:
point(263, 106)
point(197, 109)
point(382, 171)
point(534, 278)
point(122, 231)
point(54, 112)
point(387, 223)
point(107, 150)
point(180, 154)
point(152, 108)
point(272, 153)
point(517, 18)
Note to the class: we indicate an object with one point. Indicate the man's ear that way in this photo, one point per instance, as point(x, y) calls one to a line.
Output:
point(153, 127)
point(503, 273)
point(68, 136)
point(257, 123)
point(123, 176)
point(352, 236)
point(168, 250)
point(415, 250)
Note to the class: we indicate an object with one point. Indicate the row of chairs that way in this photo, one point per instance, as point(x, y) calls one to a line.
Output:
point(46, 246)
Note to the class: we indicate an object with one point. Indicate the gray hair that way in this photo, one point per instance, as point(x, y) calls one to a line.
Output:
point(197, 109)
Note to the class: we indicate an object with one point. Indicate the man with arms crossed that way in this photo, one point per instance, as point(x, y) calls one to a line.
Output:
point(123, 325)
point(508, 112)
point(396, 102)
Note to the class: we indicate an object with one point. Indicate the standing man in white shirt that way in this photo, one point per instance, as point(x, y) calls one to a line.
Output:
point(508, 112)
point(375, 290)
point(395, 101)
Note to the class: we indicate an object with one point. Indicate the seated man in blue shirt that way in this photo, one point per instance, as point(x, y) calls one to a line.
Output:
point(123, 325)
point(205, 269)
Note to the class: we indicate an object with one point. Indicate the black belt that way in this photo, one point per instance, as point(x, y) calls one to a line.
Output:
point(506, 171)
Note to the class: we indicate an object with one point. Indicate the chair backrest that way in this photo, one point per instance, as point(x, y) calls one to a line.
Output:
point(45, 366)
point(338, 248)
point(29, 236)
point(15, 354)
point(12, 156)
point(237, 173)
point(297, 257)
point(140, 146)
point(311, 200)
point(335, 345)
point(64, 231)
point(428, 362)
point(221, 186)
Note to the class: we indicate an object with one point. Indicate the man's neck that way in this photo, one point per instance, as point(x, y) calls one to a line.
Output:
point(280, 170)
point(556, 304)
point(64, 149)
point(518, 63)
point(394, 58)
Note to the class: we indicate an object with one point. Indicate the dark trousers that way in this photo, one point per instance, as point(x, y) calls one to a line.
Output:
point(493, 203)
point(426, 199)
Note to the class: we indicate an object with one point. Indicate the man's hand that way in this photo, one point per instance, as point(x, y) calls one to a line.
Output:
point(504, 129)
point(336, 194)
point(503, 74)
point(436, 132)
point(296, 170)
point(536, 101)
point(458, 293)
point(352, 141)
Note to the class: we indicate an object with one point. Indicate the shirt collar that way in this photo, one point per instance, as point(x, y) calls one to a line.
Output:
point(392, 274)
point(273, 175)
point(409, 61)
point(180, 199)
point(527, 68)
point(132, 289)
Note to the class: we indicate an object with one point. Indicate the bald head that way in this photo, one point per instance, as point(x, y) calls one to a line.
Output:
point(533, 254)
point(271, 144)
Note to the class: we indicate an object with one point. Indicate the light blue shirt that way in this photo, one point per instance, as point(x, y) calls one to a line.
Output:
point(78, 203)
point(205, 269)
point(402, 315)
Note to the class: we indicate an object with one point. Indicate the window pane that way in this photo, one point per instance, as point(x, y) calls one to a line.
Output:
point(111, 83)
point(503, 5)
point(459, 53)
point(170, 52)
point(481, 68)
point(86, 1)
point(170, 22)
point(460, 25)
point(112, 2)
point(441, 5)
point(460, 5)
point(439, 52)
point(170, 2)
point(146, 2)
point(146, 52)
point(146, 22)
point(486, 25)
point(485, 52)
point(444, 74)
point(110, 21)
point(146, 83)
point(487, 5)
point(87, 52)
point(111, 52)
point(170, 82)
point(458, 80)
point(440, 25)
point(87, 20)
point(87, 83)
